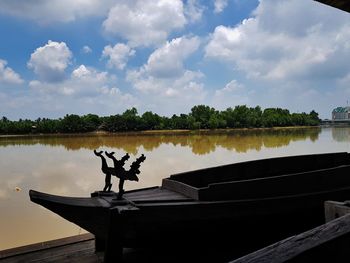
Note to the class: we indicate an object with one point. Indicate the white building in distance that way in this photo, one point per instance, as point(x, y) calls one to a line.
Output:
point(341, 114)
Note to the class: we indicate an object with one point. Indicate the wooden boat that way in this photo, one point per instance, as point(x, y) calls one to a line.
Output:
point(243, 206)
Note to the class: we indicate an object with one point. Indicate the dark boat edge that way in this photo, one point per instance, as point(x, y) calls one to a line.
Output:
point(325, 243)
point(45, 198)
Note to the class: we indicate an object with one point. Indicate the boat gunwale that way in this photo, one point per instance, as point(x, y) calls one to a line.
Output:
point(59, 199)
point(276, 176)
point(194, 202)
point(201, 193)
point(252, 179)
point(245, 201)
point(172, 177)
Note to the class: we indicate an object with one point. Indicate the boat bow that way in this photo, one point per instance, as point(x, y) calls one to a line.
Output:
point(90, 213)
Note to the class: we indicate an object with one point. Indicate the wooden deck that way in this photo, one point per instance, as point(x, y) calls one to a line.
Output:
point(71, 249)
point(81, 248)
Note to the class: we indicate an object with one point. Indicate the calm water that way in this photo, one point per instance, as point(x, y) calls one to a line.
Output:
point(66, 165)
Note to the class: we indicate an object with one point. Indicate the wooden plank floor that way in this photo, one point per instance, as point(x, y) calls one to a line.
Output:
point(72, 249)
point(82, 249)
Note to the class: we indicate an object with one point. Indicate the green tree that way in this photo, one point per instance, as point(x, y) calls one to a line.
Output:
point(114, 123)
point(314, 119)
point(217, 120)
point(71, 123)
point(276, 117)
point(131, 119)
point(179, 122)
point(151, 121)
point(201, 115)
point(91, 122)
point(47, 125)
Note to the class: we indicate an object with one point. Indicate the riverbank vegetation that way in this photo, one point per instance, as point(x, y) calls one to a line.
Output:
point(200, 117)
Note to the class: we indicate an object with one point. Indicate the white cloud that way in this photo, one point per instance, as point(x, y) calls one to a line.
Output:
point(165, 84)
point(86, 50)
point(193, 10)
point(234, 93)
point(231, 87)
point(145, 22)
point(164, 71)
point(83, 81)
point(117, 55)
point(169, 95)
point(219, 5)
point(86, 90)
point(50, 61)
point(294, 54)
point(55, 10)
point(286, 40)
point(7, 75)
point(167, 61)
point(223, 42)
point(164, 75)
point(82, 73)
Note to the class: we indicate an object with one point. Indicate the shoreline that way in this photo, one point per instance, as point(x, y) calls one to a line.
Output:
point(160, 132)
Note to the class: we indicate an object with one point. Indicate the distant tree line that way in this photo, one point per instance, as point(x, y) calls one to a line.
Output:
point(200, 117)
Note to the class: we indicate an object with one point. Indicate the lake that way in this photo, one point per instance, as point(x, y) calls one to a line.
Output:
point(66, 165)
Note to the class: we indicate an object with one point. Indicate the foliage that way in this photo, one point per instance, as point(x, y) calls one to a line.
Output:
point(200, 117)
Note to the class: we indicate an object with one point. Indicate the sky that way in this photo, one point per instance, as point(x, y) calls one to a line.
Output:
point(61, 57)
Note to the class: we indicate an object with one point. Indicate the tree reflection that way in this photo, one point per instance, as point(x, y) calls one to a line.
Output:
point(201, 143)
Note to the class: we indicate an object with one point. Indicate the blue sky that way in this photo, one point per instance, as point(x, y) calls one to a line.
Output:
point(60, 57)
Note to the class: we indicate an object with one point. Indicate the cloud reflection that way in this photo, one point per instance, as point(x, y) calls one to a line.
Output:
point(3, 194)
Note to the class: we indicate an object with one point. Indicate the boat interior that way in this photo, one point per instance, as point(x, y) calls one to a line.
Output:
point(236, 178)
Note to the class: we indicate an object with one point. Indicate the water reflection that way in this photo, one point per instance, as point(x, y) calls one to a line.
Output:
point(341, 134)
point(200, 142)
point(66, 165)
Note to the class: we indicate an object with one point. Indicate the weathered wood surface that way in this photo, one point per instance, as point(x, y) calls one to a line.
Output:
point(327, 243)
point(335, 209)
point(153, 194)
point(72, 249)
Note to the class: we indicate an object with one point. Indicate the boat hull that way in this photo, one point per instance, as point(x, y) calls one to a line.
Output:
point(89, 213)
point(242, 225)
